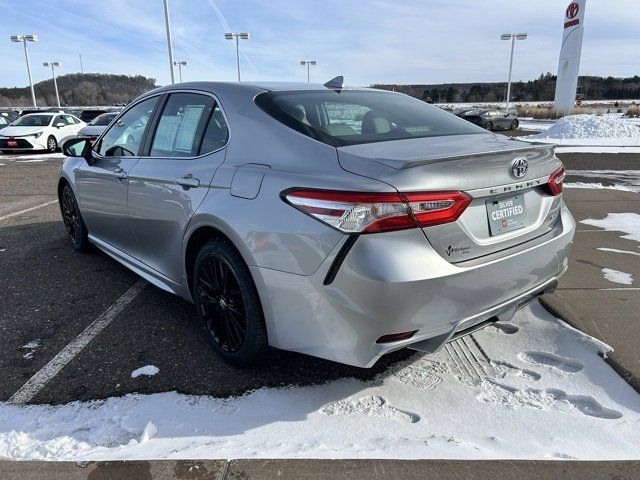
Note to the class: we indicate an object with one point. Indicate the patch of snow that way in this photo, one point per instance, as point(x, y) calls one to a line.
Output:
point(31, 347)
point(599, 186)
point(615, 250)
point(534, 391)
point(37, 157)
point(617, 276)
point(596, 149)
point(627, 180)
point(149, 370)
point(149, 432)
point(628, 223)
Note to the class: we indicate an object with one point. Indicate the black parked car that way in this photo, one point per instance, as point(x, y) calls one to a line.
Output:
point(88, 115)
point(490, 119)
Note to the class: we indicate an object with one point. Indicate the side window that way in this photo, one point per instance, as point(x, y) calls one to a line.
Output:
point(182, 125)
point(124, 137)
point(59, 119)
point(216, 134)
point(70, 120)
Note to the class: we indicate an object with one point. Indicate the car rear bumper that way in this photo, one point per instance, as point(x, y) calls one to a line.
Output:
point(396, 282)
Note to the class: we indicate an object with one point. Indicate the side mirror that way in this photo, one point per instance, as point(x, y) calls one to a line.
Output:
point(60, 125)
point(78, 147)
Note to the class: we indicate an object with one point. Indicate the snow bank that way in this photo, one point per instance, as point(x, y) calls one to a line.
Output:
point(589, 130)
point(532, 389)
point(589, 126)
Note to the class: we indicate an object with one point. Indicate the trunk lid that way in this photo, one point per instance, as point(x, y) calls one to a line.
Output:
point(478, 164)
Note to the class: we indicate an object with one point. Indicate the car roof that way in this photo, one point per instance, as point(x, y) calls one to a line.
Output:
point(252, 87)
point(50, 114)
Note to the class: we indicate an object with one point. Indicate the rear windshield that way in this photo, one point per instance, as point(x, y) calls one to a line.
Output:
point(347, 117)
point(103, 120)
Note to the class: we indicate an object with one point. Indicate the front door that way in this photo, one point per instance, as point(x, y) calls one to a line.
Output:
point(102, 186)
point(171, 179)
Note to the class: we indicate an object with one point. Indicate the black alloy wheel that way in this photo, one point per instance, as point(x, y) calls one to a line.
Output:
point(73, 220)
point(228, 305)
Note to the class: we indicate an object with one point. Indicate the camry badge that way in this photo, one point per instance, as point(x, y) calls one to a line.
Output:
point(519, 167)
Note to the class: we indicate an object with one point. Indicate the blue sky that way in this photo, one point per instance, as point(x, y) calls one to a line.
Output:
point(367, 41)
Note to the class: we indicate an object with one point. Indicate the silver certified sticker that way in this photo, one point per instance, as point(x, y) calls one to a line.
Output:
point(519, 167)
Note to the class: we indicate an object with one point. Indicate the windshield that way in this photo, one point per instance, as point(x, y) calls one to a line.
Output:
point(33, 121)
point(103, 120)
point(345, 117)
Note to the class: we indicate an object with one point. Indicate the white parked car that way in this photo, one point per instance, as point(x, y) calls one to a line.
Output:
point(39, 131)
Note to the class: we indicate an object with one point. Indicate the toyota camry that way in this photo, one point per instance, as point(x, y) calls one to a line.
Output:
point(339, 222)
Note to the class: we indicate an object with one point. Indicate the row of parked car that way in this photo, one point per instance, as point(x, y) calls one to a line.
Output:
point(47, 129)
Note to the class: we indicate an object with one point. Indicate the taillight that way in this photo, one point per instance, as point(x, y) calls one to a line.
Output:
point(555, 181)
point(353, 212)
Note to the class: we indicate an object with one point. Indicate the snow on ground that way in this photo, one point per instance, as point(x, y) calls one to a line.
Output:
point(615, 250)
point(617, 276)
point(599, 186)
point(149, 370)
point(597, 149)
point(34, 157)
point(30, 348)
point(535, 388)
point(589, 130)
point(625, 180)
point(628, 223)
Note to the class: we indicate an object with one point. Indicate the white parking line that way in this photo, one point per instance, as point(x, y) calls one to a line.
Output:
point(57, 363)
point(26, 210)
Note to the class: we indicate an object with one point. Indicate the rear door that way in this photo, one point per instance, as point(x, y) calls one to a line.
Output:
point(103, 185)
point(172, 178)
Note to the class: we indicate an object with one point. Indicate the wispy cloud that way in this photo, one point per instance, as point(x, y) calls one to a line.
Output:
point(391, 41)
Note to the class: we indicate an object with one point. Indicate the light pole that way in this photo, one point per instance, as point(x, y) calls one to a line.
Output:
point(180, 64)
point(169, 45)
point(308, 63)
point(81, 66)
point(513, 37)
point(24, 39)
point(237, 37)
point(53, 66)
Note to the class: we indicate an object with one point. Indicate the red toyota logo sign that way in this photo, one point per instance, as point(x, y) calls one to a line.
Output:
point(572, 10)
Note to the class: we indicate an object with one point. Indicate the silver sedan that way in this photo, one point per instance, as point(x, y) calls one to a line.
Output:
point(343, 223)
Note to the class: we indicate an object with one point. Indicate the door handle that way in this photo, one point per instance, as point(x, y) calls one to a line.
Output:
point(120, 174)
point(188, 182)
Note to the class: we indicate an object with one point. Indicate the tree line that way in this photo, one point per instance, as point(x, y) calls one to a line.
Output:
point(78, 89)
point(538, 90)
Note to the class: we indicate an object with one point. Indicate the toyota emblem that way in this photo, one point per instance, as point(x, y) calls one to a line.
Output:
point(519, 167)
point(572, 10)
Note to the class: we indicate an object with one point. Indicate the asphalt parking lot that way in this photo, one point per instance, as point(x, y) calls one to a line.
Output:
point(50, 294)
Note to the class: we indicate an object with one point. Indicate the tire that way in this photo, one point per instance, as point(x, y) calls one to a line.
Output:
point(514, 125)
point(228, 305)
point(73, 222)
point(489, 126)
point(52, 144)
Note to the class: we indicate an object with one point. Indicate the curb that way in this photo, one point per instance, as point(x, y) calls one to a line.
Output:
point(321, 469)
